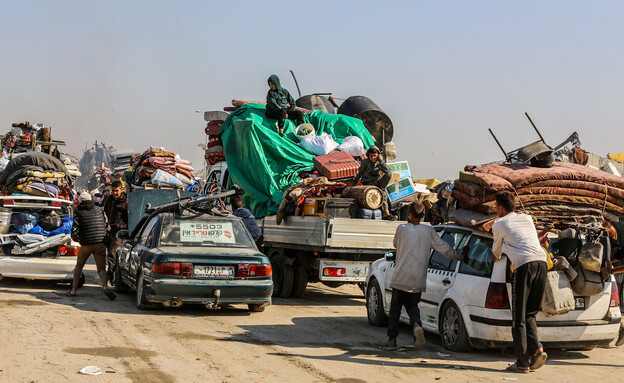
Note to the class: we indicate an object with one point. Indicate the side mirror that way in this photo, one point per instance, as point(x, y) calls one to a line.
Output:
point(391, 256)
point(123, 234)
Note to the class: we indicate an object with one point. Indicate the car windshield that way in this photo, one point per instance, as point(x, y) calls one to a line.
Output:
point(203, 230)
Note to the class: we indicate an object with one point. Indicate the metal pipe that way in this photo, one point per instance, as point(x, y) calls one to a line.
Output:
point(535, 127)
point(500, 146)
point(296, 83)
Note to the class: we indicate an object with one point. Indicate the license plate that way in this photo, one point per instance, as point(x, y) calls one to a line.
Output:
point(217, 272)
point(579, 303)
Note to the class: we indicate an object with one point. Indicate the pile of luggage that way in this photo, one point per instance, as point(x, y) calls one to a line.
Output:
point(37, 174)
point(158, 168)
point(35, 224)
point(556, 196)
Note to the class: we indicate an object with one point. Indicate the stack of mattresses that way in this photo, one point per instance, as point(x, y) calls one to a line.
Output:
point(157, 167)
point(563, 193)
point(214, 149)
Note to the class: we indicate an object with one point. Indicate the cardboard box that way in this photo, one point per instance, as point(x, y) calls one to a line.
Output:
point(405, 189)
point(401, 168)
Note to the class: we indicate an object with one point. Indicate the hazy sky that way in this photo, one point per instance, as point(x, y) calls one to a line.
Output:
point(132, 73)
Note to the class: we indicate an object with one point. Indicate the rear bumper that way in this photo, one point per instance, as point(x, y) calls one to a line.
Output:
point(37, 268)
point(487, 332)
point(203, 291)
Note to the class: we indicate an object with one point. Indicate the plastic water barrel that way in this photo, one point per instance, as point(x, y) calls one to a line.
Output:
point(374, 118)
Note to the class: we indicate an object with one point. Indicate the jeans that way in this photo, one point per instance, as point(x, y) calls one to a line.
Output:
point(280, 116)
point(527, 290)
point(400, 299)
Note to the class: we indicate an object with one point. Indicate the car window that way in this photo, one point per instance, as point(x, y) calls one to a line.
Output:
point(478, 261)
point(148, 232)
point(455, 239)
point(204, 230)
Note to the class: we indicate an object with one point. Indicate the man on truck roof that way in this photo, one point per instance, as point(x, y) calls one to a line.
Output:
point(370, 174)
point(280, 105)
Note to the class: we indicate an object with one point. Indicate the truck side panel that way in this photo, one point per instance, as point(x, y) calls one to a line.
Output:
point(361, 233)
point(303, 231)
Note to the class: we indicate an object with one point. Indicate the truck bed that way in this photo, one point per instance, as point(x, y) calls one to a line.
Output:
point(331, 234)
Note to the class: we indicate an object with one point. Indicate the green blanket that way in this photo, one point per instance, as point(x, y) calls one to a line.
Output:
point(265, 164)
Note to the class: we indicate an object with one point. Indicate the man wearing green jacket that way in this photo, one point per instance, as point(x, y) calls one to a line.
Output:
point(280, 105)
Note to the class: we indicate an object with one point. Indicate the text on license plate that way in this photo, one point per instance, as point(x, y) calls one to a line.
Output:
point(579, 303)
point(219, 272)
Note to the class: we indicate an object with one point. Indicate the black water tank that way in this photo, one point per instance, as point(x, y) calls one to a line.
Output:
point(376, 121)
point(314, 102)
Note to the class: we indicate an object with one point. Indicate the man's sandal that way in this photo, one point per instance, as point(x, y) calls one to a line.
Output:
point(538, 359)
point(515, 368)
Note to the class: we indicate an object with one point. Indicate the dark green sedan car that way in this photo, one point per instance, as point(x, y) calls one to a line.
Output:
point(175, 258)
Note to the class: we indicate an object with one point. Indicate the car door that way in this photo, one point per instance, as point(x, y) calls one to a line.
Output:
point(143, 244)
point(441, 275)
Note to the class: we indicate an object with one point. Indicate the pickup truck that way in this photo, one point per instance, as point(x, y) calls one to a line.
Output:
point(33, 256)
point(325, 249)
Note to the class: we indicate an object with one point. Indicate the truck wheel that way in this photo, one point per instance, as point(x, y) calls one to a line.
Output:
point(282, 275)
point(452, 329)
point(374, 305)
point(300, 280)
point(120, 286)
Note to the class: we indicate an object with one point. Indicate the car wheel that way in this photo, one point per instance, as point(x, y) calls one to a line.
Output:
point(452, 330)
point(374, 305)
point(283, 275)
point(300, 280)
point(256, 308)
point(120, 286)
point(142, 302)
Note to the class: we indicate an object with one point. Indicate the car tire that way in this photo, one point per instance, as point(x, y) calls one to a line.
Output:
point(256, 308)
point(142, 302)
point(374, 305)
point(300, 280)
point(282, 276)
point(119, 285)
point(453, 330)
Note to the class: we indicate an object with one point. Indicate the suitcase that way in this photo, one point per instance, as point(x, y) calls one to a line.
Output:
point(338, 165)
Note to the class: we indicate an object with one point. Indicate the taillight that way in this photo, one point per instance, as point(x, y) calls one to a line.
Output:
point(169, 268)
point(497, 297)
point(252, 270)
point(69, 251)
point(57, 204)
point(615, 295)
point(334, 272)
point(7, 202)
point(186, 269)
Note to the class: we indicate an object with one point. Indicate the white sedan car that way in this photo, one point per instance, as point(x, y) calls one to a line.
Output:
point(51, 263)
point(467, 303)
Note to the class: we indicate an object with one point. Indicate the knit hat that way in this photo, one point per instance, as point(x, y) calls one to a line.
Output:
point(84, 196)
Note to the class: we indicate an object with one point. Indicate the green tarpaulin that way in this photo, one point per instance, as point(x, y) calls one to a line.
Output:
point(265, 164)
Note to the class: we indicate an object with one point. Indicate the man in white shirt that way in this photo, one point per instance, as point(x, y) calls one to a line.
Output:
point(413, 243)
point(516, 237)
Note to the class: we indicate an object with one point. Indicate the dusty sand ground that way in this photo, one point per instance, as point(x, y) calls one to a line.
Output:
point(324, 337)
